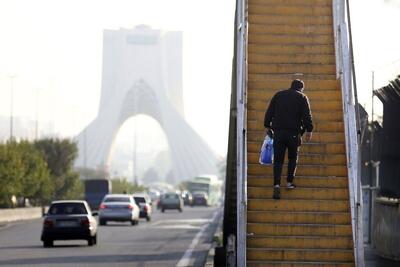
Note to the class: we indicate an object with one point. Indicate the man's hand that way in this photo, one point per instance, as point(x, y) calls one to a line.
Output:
point(308, 136)
point(268, 131)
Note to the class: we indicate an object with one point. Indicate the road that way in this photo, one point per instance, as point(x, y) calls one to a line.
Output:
point(170, 239)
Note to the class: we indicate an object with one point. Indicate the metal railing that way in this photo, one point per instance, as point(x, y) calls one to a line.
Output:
point(345, 71)
point(241, 85)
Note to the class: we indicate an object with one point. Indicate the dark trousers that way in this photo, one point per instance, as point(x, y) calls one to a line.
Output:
point(290, 140)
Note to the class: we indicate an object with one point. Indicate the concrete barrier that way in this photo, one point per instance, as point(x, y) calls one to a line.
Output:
point(386, 228)
point(19, 214)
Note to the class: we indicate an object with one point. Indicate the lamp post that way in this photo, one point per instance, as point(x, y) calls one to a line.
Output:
point(12, 77)
point(37, 114)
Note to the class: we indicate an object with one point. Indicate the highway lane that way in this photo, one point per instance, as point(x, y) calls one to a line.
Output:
point(162, 242)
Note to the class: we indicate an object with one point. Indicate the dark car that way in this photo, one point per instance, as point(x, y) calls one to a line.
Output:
point(187, 198)
point(69, 220)
point(200, 198)
point(171, 201)
point(145, 205)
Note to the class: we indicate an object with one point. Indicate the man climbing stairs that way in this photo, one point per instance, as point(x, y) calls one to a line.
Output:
point(311, 224)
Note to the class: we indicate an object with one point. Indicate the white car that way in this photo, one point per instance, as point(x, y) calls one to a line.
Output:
point(120, 208)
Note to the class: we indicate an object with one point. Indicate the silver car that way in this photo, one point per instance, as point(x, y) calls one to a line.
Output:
point(118, 207)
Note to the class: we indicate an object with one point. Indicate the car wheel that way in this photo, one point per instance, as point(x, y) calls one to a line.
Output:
point(48, 243)
point(148, 218)
point(103, 222)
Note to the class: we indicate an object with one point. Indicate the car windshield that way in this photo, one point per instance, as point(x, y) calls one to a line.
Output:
point(67, 208)
point(140, 200)
point(117, 199)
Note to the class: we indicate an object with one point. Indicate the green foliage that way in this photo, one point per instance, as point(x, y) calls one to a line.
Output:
point(122, 186)
point(23, 173)
point(60, 155)
point(11, 173)
point(36, 179)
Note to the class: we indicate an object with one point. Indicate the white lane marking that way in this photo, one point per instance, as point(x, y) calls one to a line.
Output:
point(185, 260)
point(190, 221)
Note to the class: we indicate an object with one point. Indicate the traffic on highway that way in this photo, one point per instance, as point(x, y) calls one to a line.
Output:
point(71, 234)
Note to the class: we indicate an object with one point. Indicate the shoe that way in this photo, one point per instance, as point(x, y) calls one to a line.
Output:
point(277, 192)
point(290, 185)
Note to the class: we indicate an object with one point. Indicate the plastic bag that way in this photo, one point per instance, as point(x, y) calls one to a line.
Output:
point(267, 151)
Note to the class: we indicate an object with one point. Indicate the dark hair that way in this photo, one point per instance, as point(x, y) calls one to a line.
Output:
point(297, 84)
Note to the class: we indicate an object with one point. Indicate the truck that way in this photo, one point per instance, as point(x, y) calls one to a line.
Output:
point(95, 190)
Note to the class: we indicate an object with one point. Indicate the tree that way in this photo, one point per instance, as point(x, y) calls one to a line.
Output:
point(60, 156)
point(35, 182)
point(11, 172)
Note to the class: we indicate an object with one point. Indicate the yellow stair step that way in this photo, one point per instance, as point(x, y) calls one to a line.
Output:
point(301, 181)
point(318, 127)
point(318, 242)
point(290, 19)
point(298, 217)
point(288, 77)
point(292, 68)
point(316, 105)
point(299, 193)
point(314, 95)
point(307, 159)
point(278, 38)
point(291, 58)
point(299, 229)
point(298, 264)
point(279, 254)
point(298, 205)
point(318, 116)
point(290, 29)
point(318, 137)
point(290, 49)
point(312, 148)
point(302, 170)
point(301, 3)
point(289, 10)
point(266, 83)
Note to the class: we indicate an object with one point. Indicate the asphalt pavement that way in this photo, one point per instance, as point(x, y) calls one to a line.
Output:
point(170, 239)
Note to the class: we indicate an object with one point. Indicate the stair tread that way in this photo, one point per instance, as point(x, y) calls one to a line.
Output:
point(301, 249)
point(299, 237)
point(301, 212)
point(298, 262)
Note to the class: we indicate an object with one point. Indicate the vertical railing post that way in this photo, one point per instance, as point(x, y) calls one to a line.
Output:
point(241, 133)
point(345, 70)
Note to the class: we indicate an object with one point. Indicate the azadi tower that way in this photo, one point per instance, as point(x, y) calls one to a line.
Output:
point(142, 74)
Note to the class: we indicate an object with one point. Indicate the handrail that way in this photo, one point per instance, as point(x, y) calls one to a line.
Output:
point(345, 71)
point(241, 74)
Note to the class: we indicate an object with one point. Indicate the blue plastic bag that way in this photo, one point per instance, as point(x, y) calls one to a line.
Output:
point(267, 151)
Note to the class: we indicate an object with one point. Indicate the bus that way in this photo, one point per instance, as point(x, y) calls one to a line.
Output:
point(209, 184)
point(95, 190)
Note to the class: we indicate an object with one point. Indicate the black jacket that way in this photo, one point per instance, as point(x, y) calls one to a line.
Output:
point(289, 110)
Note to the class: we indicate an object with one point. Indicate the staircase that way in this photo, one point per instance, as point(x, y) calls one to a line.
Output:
point(309, 225)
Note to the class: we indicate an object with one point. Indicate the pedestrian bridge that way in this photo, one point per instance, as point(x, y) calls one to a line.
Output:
point(318, 223)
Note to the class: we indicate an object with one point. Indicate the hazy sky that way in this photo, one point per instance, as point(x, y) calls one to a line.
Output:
point(56, 46)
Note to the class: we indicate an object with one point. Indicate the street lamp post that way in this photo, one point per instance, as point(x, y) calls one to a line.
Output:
point(12, 77)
